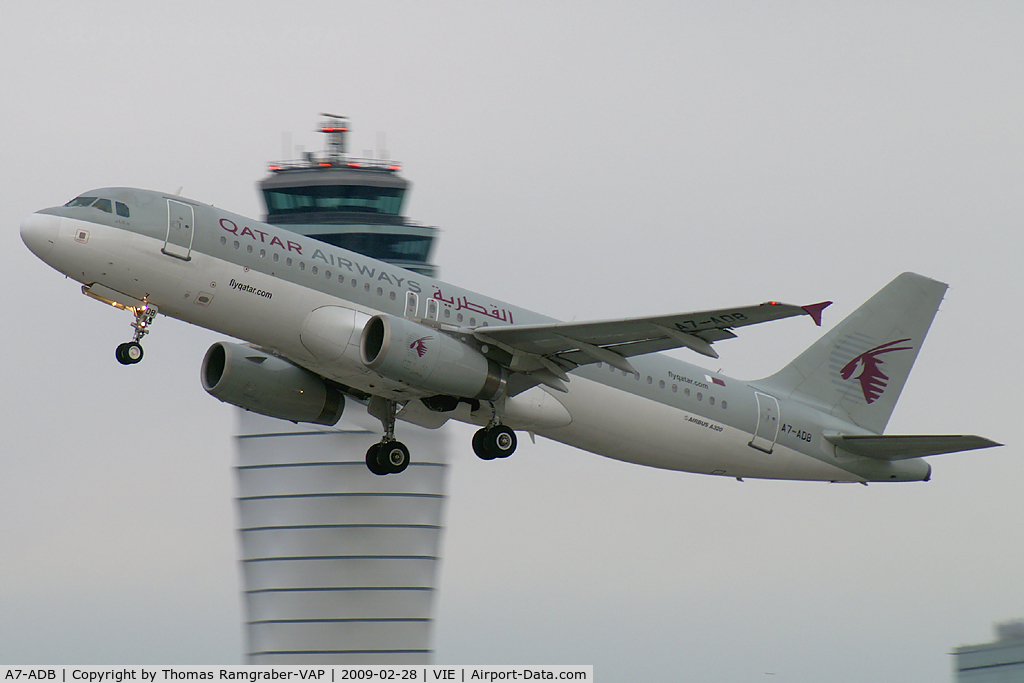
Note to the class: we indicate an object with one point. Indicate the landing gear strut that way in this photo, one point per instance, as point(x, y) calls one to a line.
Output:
point(389, 456)
point(130, 353)
point(494, 441)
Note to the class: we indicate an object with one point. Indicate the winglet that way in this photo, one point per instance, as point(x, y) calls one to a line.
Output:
point(814, 310)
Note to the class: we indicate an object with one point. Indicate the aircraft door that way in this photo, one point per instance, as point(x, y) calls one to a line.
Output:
point(181, 221)
point(412, 305)
point(767, 430)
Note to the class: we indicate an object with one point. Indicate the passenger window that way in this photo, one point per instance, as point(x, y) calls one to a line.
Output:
point(104, 205)
point(122, 209)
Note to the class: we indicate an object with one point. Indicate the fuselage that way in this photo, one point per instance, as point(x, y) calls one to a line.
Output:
point(260, 283)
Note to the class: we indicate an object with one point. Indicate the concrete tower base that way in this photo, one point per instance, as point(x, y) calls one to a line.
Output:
point(339, 565)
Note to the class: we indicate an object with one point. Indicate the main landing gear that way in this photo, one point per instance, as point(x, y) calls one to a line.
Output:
point(494, 441)
point(130, 353)
point(389, 456)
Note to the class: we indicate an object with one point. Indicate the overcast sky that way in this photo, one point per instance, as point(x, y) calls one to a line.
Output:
point(586, 160)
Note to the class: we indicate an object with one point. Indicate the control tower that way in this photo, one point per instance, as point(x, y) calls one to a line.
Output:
point(340, 565)
point(352, 203)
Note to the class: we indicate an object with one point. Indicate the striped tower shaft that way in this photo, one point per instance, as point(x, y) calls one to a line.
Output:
point(339, 565)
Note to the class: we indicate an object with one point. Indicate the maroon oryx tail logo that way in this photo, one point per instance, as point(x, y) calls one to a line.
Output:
point(420, 345)
point(872, 379)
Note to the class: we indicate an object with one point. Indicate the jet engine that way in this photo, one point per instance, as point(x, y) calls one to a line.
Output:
point(427, 358)
point(268, 385)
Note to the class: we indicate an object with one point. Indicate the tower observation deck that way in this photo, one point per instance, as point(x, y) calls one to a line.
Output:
point(339, 565)
point(352, 203)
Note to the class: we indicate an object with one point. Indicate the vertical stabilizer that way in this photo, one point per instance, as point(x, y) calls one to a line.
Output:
point(858, 369)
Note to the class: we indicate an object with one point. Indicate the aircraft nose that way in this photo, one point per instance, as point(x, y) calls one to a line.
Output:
point(39, 233)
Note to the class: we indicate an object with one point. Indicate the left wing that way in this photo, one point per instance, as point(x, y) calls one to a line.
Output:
point(560, 347)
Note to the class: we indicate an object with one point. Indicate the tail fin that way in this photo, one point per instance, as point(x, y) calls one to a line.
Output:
point(858, 369)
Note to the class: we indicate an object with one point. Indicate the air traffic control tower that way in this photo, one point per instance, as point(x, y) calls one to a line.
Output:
point(340, 565)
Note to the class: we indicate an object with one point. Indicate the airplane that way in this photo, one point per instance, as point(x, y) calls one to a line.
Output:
point(321, 324)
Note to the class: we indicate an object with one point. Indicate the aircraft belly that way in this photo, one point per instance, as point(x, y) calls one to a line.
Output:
point(627, 427)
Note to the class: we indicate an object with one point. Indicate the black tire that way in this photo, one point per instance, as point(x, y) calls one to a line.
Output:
point(480, 445)
point(393, 457)
point(501, 441)
point(121, 357)
point(371, 460)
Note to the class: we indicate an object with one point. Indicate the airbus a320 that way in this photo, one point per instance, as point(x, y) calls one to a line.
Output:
point(320, 324)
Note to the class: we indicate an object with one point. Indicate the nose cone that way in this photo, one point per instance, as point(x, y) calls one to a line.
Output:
point(39, 233)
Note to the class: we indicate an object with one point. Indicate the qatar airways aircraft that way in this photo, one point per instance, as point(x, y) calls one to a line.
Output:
point(321, 323)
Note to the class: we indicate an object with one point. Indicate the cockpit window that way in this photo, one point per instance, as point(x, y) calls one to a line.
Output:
point(122, 209)
point(104, 205)
point(81, 201)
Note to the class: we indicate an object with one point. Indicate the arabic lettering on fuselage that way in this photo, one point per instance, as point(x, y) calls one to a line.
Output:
point(463, 303)
point(369, 272)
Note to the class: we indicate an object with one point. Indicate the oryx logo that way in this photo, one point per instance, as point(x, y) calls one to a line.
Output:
point(420, 345)
point(872, 379)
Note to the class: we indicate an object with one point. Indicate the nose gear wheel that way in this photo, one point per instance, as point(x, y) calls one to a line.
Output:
point(131, 353)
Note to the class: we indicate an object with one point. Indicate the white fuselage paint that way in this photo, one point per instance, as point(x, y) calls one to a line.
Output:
point(612, 415)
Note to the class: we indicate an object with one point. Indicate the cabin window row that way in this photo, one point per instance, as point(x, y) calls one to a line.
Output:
point(675, 387)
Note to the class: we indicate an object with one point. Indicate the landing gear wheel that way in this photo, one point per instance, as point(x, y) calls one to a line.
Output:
point(494, 442)
point(480, 445)
point(393, 456)
point(129, 353)
point(371, 460)
point(501, 441)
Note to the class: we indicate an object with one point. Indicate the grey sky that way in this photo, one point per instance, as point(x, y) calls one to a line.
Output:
point(585, 160)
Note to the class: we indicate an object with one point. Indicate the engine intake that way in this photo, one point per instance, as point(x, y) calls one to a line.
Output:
point(252, 379)
point(426, 358)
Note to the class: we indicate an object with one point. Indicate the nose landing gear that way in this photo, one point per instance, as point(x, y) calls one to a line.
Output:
point(130, 353)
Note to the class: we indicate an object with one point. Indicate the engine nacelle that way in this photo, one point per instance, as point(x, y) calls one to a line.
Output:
point(426, 358)
point(268, 385)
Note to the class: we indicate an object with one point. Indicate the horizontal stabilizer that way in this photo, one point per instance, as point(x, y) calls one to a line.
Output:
point(905, 447)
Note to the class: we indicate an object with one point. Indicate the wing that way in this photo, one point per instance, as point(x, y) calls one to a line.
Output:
point(549, 351)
